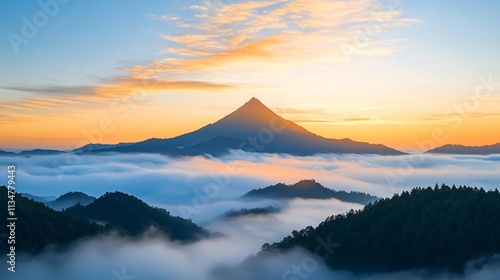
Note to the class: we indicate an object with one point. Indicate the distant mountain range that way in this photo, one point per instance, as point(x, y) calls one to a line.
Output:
point(253, 128)
point(36, 152)
point(70, 199)
point(64, 201)
point(96, 147)
point(467, 150)
point(308, 189)
point(42, 199)
point(4, 153)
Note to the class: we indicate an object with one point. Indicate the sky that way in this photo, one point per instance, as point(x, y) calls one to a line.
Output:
point(378, 71)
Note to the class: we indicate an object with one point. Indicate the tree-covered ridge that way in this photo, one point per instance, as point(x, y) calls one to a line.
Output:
point(308, 189)
point(38, 225)
point(440, 228)
point(133, 216)
point(260, 211)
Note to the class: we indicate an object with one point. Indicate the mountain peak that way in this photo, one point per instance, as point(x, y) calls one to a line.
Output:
point(255, 100)
point(253, 127)
point(255, 104)
point(253, 111)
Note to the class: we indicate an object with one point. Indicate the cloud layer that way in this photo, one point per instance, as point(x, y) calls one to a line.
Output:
point(178, 184)
point(162, 179)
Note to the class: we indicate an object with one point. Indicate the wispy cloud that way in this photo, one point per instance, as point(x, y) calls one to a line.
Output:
point(214, 39)
point(62, 96)
point(286, 32)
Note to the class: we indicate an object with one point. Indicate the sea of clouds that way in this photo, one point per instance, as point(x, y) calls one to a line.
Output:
point(161, 179)
point(203, 188)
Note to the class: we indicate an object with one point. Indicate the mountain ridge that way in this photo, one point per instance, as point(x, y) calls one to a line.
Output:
point(466, 150)
point(308, 189)
point(133, 217)
point(425, 228)
point(258, 129)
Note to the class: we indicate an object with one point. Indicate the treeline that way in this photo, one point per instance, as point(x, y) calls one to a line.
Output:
point(308, 189)
point(38, 225)
point(259, 211)
point(132, 216)
point(433, 228)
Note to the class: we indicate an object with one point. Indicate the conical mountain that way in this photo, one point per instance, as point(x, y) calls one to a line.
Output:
point(256, 116)
point(252, 127)
point(252, 120)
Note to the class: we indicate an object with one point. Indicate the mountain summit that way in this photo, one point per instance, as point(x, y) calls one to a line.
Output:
point(255, 128)
point(256, 115)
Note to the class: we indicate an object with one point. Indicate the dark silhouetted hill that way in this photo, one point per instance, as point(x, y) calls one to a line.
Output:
point(38, 226)
point(70, 199)
point(4, 153)
point(95, 147)
point(252, 127)
point(42, 199)
point(467, 150)
point(308, 189)
point(40, 152)
point(433, 229)
point(261, 211)
point(133, 216)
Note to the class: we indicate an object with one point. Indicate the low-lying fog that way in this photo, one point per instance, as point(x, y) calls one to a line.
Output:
point(204, 188)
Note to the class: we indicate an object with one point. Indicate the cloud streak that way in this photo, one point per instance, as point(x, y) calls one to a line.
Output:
point(60, 97)
point(273, 32)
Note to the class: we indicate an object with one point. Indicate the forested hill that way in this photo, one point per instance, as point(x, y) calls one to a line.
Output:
point(38, 225)
point(430, 228)
point(308, 189)
point(133, 216)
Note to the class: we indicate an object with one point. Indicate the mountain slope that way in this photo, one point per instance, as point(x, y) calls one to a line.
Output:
point(4, 153)
point(440, 228)
point(38, 225)
point(467, 150)
point(42, 199)
point(40, 152)
point(133, 216)
point(252, 127)
point(307, 189)
point(94, 147)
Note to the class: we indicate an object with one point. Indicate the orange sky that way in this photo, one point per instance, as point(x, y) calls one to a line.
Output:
point(359, 69)
point(128, 125)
